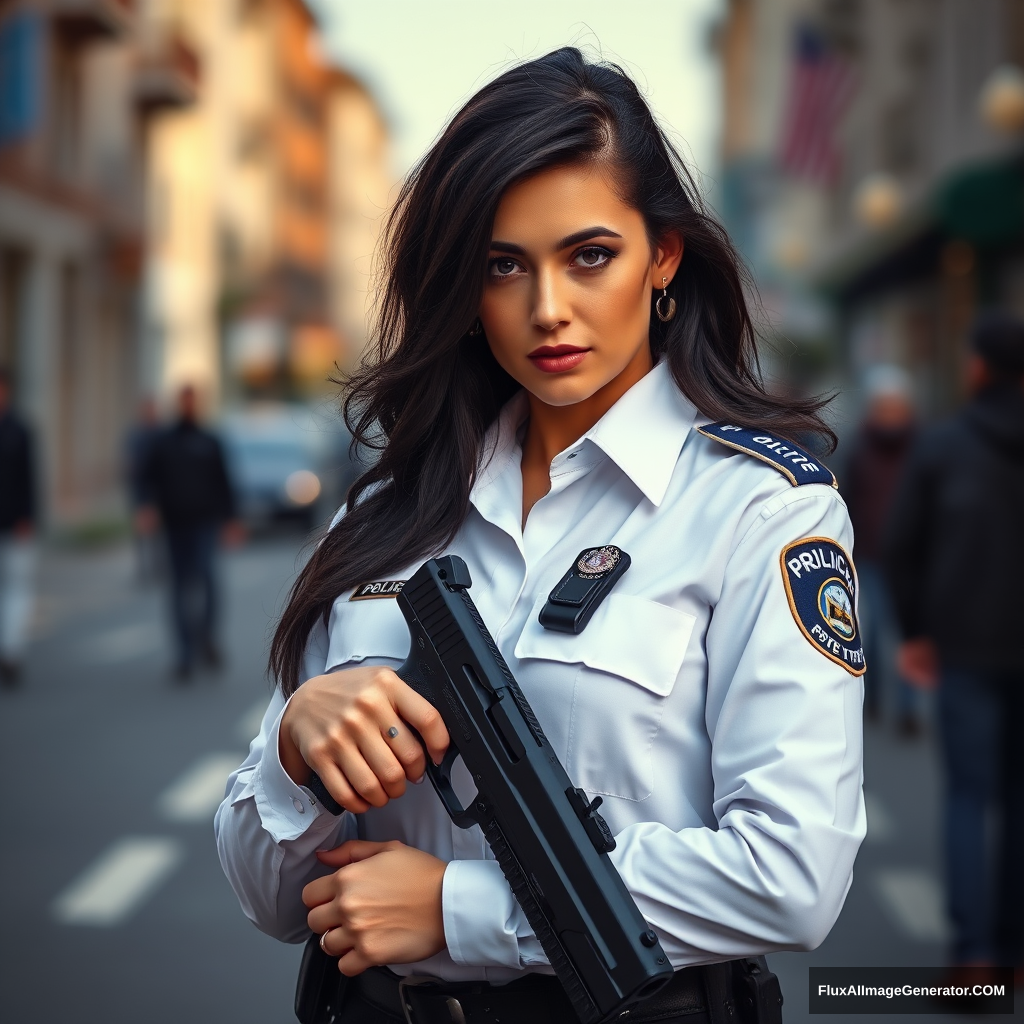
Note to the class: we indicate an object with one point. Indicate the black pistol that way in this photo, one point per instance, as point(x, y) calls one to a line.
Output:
point(547, 836)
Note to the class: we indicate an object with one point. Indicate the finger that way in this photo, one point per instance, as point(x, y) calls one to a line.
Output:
point(320, 890)
point(407, 749)
point(335, 941)
point(353, 963)
point(349, 852)
point(338, 786)
point(361, 775)
point(324, 917)
point(390, 772)
point(422, 716)
point(354, 851)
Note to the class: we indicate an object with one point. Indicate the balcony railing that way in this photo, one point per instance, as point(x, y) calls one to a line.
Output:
point(167, 76)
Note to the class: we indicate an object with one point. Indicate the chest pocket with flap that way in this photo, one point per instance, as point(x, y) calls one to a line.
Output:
point(627, 662)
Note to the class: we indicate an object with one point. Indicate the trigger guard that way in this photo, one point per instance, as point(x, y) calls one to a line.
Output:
point(440, 778)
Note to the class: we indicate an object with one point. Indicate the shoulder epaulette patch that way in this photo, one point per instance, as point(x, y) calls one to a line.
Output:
point(797, 465)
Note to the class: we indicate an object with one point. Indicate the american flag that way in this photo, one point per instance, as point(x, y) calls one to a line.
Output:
point(822, 83)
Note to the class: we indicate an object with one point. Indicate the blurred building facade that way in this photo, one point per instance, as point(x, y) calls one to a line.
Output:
point(188, 192)
point(873, 173)
point(249, 190)
point(72, 236)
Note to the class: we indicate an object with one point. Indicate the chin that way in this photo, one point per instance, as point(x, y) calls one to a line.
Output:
point(565, 390)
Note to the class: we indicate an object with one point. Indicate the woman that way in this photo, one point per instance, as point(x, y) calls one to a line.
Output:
point(560, 317)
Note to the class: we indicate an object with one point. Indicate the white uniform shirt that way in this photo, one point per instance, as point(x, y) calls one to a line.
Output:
point(727, 747)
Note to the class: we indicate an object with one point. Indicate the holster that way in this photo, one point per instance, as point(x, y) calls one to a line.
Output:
point(757, 991)
point(743, 992)
point(320, 989)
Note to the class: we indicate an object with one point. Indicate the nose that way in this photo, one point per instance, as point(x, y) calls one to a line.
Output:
point(550, 303)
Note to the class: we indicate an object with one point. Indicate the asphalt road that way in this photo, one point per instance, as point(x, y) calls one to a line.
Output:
point(113, 907)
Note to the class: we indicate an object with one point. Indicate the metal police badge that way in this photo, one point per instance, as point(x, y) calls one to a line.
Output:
point(577, 595)
point(821, 584)
point(596, 562)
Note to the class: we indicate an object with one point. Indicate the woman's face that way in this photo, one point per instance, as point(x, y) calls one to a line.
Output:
point(567, 301)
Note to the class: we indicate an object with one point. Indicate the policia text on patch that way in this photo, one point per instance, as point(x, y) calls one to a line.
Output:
point(821, 585)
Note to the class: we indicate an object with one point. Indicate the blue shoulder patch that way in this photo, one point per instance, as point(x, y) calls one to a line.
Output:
point(821, 584)
point(797, 465)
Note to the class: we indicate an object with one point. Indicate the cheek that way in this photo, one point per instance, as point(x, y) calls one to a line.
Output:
point(624, 302)
point(505, 316)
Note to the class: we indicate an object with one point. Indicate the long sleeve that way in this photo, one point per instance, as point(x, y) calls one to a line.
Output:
point(772, 870)
point(268, 829)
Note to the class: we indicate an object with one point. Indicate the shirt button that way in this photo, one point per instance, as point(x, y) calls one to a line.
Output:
point(299, 805)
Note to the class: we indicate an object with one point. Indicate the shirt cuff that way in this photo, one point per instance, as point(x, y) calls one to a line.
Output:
point(480, 915)
point(285, 809)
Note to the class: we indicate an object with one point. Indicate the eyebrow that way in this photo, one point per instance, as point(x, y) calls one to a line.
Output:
point(574, 239)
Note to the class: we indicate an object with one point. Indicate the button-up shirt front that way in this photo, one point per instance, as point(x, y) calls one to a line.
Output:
point(725, 745)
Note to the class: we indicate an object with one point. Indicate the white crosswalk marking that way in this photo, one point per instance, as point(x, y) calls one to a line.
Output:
point(249, 724)
point(881, 827)
point(117, 883)
point(123, 643)
point(913, 898)
point(195, 796)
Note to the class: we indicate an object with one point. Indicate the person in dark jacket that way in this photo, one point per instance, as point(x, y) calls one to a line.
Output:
point(17, 524)
point(186, 480)
point(874, 468)
point(955, 557)
point(138, 444)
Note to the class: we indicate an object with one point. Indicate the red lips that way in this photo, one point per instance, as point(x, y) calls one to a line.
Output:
point(557, 358)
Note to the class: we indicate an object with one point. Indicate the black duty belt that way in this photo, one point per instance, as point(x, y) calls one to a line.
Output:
point(704, 995)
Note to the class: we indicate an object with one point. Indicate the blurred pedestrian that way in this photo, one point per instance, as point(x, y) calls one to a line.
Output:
point(138, 445)
point(186, 481)
point(873, 471)
point(17, 526)
point(955, 555)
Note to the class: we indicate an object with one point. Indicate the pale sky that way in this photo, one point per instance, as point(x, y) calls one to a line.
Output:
point(423, 58)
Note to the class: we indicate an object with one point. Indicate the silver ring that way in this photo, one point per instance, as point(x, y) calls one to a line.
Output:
point(393, 731)
point(324, 936)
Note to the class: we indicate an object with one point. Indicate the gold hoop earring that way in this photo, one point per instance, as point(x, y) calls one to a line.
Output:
point(666, 314)
point(476, 330)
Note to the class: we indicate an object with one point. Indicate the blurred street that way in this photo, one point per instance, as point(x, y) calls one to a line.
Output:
point(120, 908)
point(141, 768)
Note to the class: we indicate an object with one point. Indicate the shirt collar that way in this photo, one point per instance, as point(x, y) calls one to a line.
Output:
point(642, 434)
point(644, 431)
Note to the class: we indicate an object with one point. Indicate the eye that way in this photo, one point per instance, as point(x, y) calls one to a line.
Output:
point(592, 257)
point(502, 266)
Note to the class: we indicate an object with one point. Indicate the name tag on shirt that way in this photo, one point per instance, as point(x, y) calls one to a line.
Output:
point(377, 589)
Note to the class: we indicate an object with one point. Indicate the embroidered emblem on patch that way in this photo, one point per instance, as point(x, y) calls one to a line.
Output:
point(797, 465)
point(379, 589)
point(821, 584)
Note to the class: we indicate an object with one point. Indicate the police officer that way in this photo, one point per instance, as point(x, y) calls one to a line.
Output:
point(565, 367)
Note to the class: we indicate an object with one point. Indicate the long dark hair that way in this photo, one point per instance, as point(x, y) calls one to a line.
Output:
point(432, 390)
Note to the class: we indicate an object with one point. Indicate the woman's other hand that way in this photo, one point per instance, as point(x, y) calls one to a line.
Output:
point(352, 729)
point(382, 905)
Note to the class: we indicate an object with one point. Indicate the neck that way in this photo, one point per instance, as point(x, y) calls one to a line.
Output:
point(553, 428)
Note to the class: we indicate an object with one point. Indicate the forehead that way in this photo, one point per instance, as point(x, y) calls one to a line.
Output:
point(558, 201)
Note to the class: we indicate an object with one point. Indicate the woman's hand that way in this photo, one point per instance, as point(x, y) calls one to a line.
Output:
point(350, 728)
point(382, 905)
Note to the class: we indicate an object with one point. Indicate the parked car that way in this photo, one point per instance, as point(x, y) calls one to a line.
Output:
point(287, 462)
